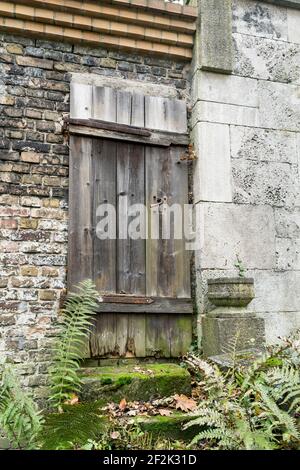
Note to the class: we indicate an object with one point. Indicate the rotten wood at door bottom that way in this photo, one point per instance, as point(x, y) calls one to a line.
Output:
point(118, 335)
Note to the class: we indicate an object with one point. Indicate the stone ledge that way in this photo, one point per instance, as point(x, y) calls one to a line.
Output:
point(134, 383)
point(285, 3)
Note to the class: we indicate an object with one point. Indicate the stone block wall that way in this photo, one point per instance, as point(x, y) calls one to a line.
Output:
point(34, 97)
point(246, 128)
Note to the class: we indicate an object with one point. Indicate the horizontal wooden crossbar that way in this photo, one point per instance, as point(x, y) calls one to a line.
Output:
point(160, 305)
point(115, 131)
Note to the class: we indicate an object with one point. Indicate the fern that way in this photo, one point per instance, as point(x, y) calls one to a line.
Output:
point(19, 416)
point(76, 324)
point(250, 408)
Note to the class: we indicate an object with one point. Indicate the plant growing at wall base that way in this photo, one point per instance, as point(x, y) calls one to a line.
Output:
point(69, 349)
point(19, 416)
point(251, 408)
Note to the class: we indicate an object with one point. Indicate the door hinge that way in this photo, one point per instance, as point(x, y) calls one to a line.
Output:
point(189, 154)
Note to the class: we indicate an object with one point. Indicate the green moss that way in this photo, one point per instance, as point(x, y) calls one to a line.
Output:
point(74, 427)
point(150, 381)
point(167, 427)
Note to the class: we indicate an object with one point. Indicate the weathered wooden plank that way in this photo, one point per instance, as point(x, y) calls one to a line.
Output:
point(110, 126)
point(103, 340)
point(130, 191)
point(80, 258)
point(165, 114)
point(111, 339)
point(163, 139)
point(126, 299)
point(166, 184)
point(159, 305)
point(104, 104)
point(81, 101)
point(138, 110)
point(157, 336)
point(175, 116)
point(123, 107)
point(180, 330)
point(136, 343)
point(179, 177)
point(104, 192)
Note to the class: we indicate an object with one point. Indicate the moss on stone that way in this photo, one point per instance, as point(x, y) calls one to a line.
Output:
point(73, 427)
point(115, 383)
point(168, 427)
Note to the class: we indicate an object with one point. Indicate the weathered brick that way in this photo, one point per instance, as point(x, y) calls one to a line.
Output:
point(55, 139)
point(8, 224)
point(34, 62)
point(51, 181)
point(28, 224)
point(30, 201)
point(33, 113)
point(29, 271)
point(31, 157)
point(7, 100)
point(51, 203)
point(47, 295)
point(6, 155)
point(14, 49)
point(14, 134)
point(49, 271)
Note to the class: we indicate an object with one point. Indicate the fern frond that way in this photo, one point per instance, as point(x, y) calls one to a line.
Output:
point(68, 352)
point(19, 416)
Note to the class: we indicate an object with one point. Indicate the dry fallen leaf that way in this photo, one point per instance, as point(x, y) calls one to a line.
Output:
point(184, 403)
point(73, 400)
point(164, 412)
point(123, 404)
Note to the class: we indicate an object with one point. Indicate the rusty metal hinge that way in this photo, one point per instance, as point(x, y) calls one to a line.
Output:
point(189, 154)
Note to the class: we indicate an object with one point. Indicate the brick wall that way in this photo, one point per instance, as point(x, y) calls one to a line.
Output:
point(34, 97)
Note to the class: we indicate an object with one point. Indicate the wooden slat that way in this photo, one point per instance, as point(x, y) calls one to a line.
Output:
point(130, 191)
point(80, 247)
point(138, 110)
point(81, 101)
point(104, 192)
point(167, 262)
point(123, 107)
point(127, 299)
point(165, 114)
point(162, 139)
point(80, 260)
point(111, 126)
point(157, 336)
point(160, 306)
point(104, 104)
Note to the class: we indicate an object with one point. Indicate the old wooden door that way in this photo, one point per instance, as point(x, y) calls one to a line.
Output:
point(144, 281)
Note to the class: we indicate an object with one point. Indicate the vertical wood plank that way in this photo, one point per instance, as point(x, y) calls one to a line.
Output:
point(157, 336)
point(138, 110)
point(80, 258)
point(165, 114)
point(104, 104)
point(123, 107)
point(167, 262)
point(81, 101)
point(104, 192)
point(180, 331)
point(130, 191)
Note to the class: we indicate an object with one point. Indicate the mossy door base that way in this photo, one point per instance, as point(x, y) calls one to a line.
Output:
point(119, 335)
